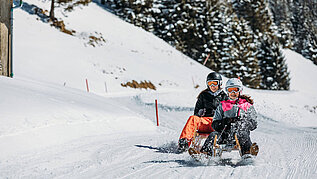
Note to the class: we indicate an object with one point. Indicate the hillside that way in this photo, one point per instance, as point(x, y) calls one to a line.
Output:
point(233, 37)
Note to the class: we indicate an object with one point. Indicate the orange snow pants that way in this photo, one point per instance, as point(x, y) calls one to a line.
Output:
point(202, 124)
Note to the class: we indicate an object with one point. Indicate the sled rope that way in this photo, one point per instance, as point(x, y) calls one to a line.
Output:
point(222, 131)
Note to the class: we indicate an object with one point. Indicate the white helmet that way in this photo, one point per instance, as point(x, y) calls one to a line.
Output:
point(234, 82)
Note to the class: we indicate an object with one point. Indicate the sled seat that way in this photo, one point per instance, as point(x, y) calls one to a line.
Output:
point(198, 139)
point(203, 134)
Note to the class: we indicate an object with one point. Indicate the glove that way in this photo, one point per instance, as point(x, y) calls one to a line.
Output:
point(228, 121)
point(218, 125)
point(201, 112)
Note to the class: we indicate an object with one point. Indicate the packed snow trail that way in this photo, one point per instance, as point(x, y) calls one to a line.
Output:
point(285, 152)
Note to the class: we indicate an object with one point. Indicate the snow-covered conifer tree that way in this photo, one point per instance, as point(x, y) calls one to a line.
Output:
point(274, 70)
point(219, 39)
point(244, 54)
point(269, 56)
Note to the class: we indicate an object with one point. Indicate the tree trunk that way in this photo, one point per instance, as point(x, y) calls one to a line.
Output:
point(52, 15)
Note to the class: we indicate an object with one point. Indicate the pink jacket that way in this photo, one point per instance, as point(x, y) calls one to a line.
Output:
point(234, 109)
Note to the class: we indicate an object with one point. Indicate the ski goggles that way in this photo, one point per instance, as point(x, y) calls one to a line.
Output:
point(213, 82)
point(233, 90)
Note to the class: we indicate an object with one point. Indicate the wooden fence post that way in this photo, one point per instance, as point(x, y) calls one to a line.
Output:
point(5, 37)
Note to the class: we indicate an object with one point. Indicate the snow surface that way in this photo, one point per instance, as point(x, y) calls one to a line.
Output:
point(50, 127)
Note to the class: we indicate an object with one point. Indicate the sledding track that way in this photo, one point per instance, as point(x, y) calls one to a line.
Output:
point(285, 152)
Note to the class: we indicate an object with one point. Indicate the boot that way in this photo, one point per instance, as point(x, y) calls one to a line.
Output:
point(254, 149)
point(182, 145)
point(207, 148)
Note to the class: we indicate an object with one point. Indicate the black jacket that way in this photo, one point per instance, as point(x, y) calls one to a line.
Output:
point(209, 102)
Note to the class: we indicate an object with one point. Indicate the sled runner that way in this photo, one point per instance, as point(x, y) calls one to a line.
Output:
point(196, 144)
point(217, 146)
point(198, 140)
point(217, 149)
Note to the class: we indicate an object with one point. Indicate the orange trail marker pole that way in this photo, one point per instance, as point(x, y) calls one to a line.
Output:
point(206, 59)
point(157, 119)
point(87, 85)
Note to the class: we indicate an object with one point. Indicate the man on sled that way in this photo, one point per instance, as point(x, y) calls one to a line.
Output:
point(207, 102)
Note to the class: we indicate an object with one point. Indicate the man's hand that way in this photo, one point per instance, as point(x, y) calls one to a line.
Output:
point(201, 112)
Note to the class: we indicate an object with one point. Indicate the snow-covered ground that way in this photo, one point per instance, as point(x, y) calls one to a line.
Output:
point(51, 127)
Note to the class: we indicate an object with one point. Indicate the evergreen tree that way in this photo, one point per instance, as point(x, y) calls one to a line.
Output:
point(244, 54)
point(219, 41)
point(232, 45)
point(137, 12)
point(189, 28)
point(164, 26)
point(305, 30)
point(273, 68)
point(142, 14)
point(286, 36)
point(260, 18)
point(312, 46)
point(281, 17)
point(239, 39)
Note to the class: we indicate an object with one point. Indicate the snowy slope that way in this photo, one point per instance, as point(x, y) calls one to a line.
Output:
point(126, 55)
point(50, 127)
point(297, 105)
point(53, 115)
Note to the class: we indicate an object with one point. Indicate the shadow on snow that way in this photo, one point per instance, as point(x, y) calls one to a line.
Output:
point(207, 163)
point(189, 162)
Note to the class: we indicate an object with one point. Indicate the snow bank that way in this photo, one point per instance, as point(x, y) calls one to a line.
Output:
point(37, 115)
